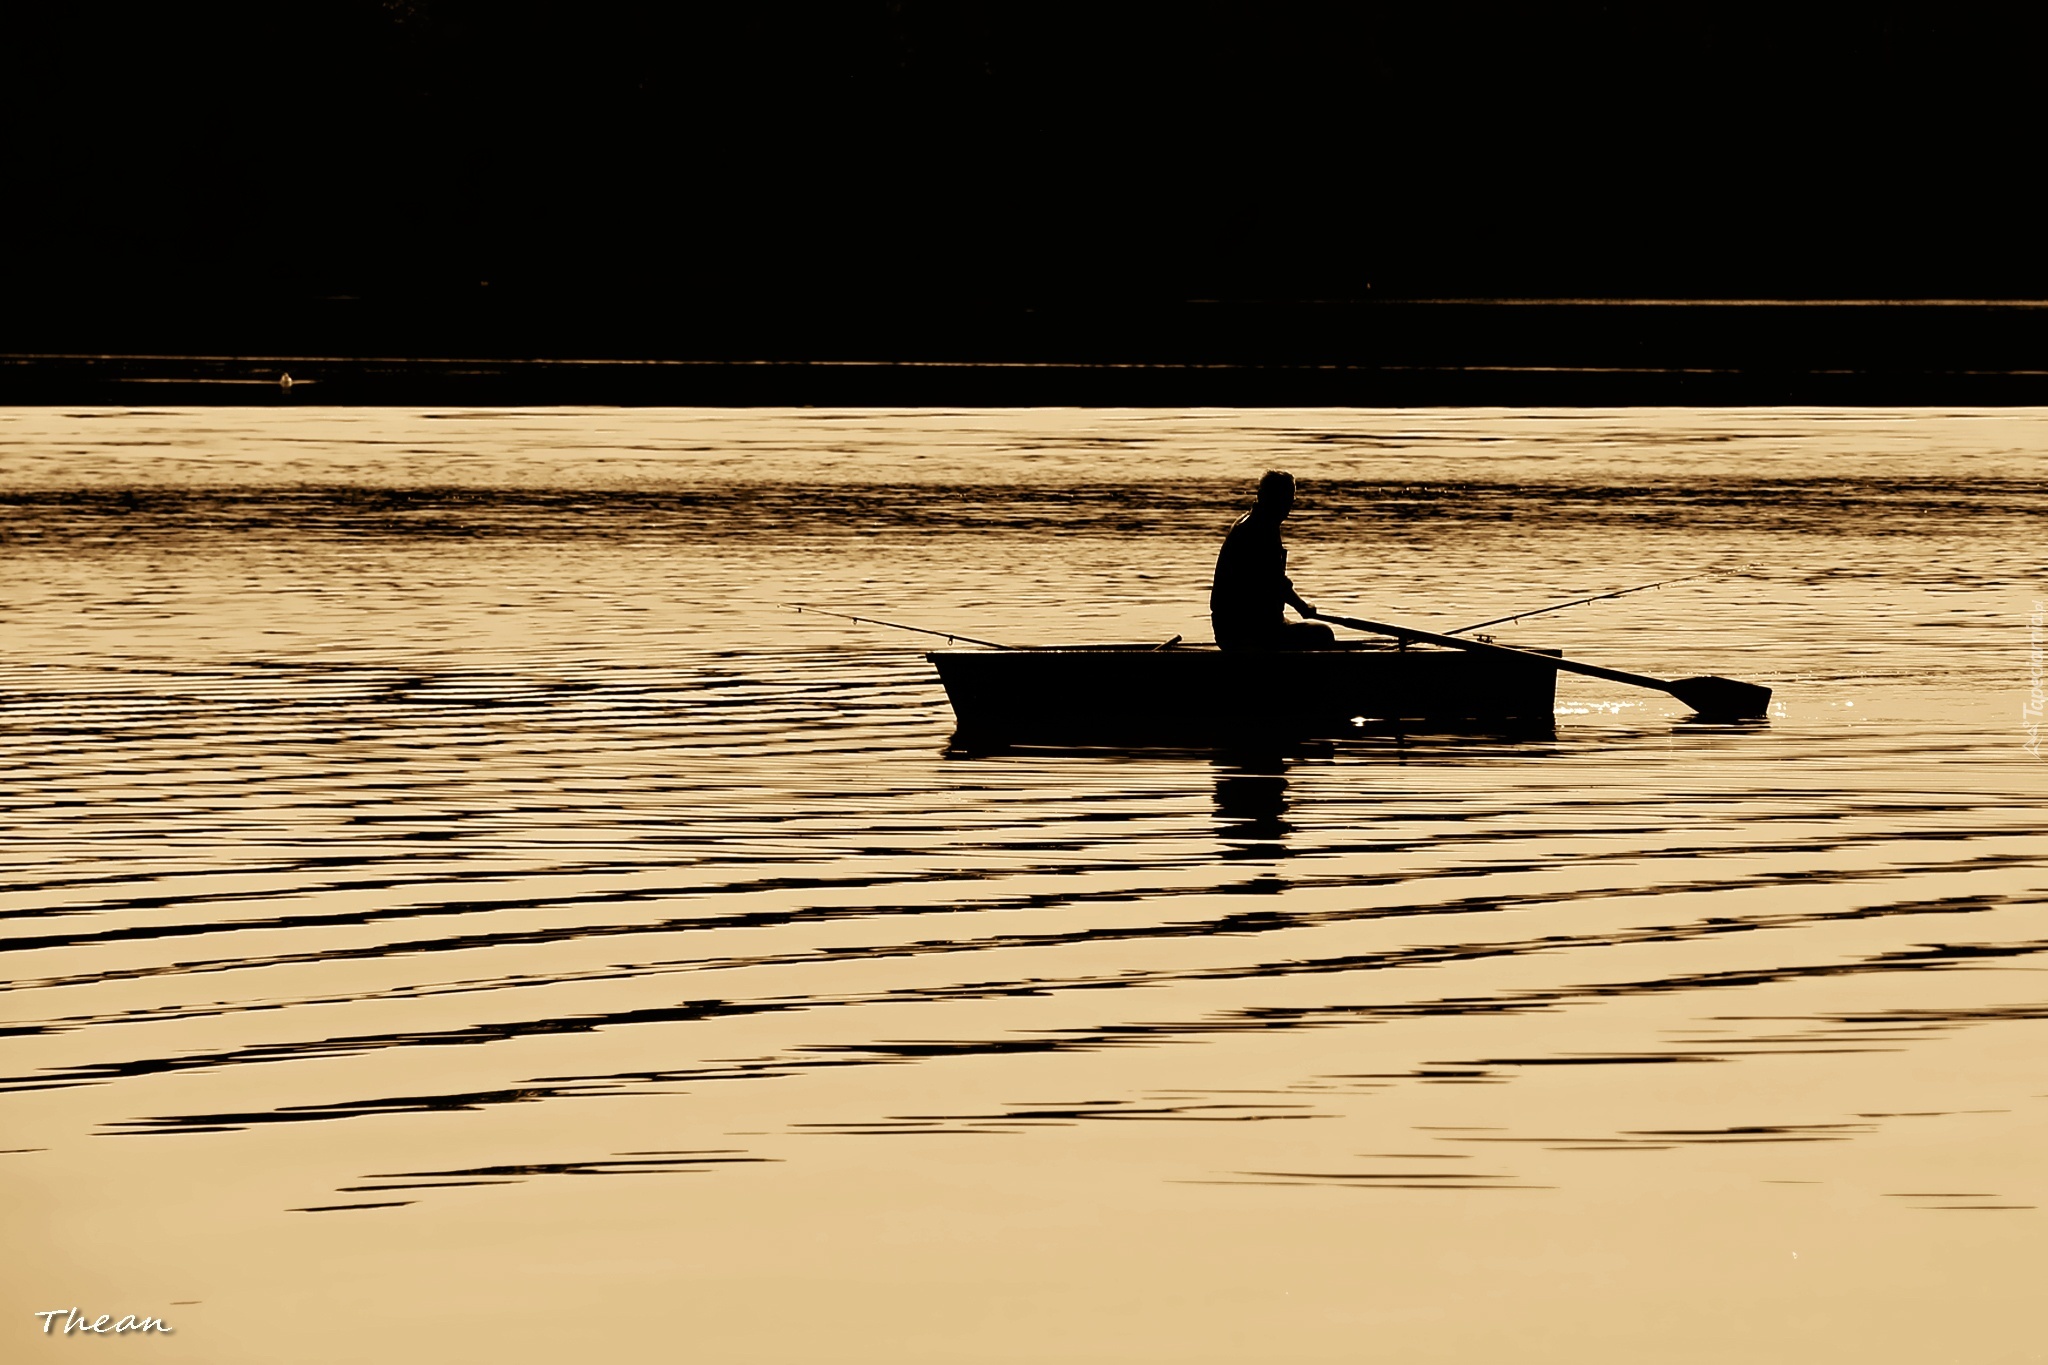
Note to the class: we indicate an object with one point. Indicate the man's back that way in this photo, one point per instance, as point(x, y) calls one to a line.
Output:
point(1250, 587)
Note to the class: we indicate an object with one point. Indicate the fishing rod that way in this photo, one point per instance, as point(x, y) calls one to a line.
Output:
point(896, 625)
point(1596, 597)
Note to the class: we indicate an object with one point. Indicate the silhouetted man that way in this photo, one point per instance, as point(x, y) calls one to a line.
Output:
point(1251, 586)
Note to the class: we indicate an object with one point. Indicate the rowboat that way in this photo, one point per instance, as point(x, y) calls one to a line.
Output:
point(1146, 693)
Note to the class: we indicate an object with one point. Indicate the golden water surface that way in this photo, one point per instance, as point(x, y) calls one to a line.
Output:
point(454, 913)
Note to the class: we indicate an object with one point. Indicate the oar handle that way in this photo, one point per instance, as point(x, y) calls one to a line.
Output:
point(1500, 651)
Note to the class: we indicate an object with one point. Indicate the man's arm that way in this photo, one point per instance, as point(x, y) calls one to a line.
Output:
point(1293, 599)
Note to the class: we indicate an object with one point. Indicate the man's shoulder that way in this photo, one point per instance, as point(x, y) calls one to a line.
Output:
point(1248, 528)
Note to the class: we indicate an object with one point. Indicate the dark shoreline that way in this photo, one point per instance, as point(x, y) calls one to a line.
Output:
point(132, 381)
point(1225, 353)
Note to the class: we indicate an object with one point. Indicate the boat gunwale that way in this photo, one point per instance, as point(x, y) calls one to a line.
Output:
point(1205, 648)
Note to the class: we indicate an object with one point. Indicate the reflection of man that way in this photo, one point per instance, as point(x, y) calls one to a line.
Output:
point(1251, 585)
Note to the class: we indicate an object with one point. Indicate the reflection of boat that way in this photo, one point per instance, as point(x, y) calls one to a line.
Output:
point(1193, 693)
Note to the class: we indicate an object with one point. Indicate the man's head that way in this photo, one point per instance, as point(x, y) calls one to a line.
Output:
point(1276, 494)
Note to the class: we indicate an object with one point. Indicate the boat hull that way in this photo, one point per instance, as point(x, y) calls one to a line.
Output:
point(1119, 694)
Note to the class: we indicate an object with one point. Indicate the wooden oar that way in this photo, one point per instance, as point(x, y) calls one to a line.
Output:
point(1720, 698)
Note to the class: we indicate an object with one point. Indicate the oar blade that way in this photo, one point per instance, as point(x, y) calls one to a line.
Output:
point(1722, 698)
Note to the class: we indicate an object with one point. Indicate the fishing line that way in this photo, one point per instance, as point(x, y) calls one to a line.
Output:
point(896, 625)
point(1596, 597)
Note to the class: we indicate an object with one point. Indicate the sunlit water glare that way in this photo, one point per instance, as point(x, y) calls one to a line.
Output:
point(412, 815)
